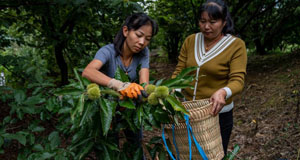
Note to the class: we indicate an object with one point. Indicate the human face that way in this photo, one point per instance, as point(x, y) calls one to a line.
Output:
point(137, 40)
point(210, 28)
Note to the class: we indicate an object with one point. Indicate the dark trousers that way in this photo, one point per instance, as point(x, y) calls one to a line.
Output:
point(226, 124)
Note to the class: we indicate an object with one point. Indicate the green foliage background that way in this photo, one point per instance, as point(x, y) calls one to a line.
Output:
point(41, 42)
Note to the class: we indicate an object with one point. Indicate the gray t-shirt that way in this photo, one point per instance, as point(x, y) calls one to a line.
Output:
point(107, 55)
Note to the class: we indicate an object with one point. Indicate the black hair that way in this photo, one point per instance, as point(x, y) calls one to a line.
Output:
point(217, 9)
point(133, 22)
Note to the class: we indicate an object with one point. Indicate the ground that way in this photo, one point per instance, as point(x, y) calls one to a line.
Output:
point(266, 120)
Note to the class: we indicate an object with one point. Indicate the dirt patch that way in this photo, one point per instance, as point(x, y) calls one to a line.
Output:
point(266, 119)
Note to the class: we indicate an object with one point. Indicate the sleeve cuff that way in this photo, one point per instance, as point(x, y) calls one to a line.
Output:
point(178, 90)
point(228, 92)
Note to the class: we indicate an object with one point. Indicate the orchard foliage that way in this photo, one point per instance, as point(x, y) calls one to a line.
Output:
point(65, 30)
point(88, 118)
point(66, 34)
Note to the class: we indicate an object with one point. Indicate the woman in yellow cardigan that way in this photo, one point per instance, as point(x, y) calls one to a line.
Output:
point(222, 59)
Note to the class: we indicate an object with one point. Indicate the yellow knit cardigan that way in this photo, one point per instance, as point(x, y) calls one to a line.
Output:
point(227, 68)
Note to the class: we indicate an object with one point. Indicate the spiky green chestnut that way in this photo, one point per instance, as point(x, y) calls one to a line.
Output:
point(152, 99)
point(150, 88)
point(161, 91)
point(94, 93)
point(92, 85)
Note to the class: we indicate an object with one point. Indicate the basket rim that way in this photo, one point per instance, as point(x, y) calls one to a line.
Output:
point(198, 100)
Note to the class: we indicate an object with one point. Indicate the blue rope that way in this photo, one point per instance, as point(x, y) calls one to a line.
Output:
point(164, 139)
point(201, 151)
point(190, 132)
point(186, 117)
point(174, 141)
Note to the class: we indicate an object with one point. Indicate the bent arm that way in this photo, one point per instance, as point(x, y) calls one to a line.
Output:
point(237, 71)
point(92, 73)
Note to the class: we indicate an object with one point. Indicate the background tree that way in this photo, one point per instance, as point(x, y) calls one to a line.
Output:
point(177, 19)
point(66, 29)
point(264, 25)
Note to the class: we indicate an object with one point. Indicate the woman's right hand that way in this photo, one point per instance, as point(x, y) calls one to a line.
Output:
point(218, 101)
point(130, 90)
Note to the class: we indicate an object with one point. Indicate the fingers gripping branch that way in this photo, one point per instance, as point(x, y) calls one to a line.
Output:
point(130, 90)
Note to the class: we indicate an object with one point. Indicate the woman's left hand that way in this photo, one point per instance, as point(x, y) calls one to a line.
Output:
point(218, 101)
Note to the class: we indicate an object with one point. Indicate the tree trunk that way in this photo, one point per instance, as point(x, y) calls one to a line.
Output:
point(173, 44)
point(259, 48)
point(60, 60)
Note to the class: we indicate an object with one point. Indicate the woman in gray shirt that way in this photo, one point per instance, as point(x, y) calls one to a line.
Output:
point(128, 51)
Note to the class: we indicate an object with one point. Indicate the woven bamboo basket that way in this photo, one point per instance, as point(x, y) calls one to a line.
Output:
point(206, 129)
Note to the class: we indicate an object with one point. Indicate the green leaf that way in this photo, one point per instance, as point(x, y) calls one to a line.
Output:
point(153, 151)
point(64, 110)
point(171, 82)
point(20, 114)
point(60, 157)
point(38, 147)
point(122, 156)
point(161, 115)
point(78, 78)
point(181, 86)
point(50, 104)
point(69, 91)
point(112, 146)
point(22, 156)
point(181, 79)
point(47, 155)
point(111, 92)
point(140, 113)
point(34, 100)
point(80, 104)
point(147, 126)
point(54, 139)
point(1, 142)
point(158, 83)
point(231, 155)
point(37, 90)
point(37, 129)
point(162, 155)
point(177, 106)
point(128, 103)
point(18, 136)
point(85, 81)
point(120, 75)
point(29, 110)
point(81, 142)
point(86, 150)
point(138, 154)
point(128, 116)
point(31, 139)
point(152, 120)
point(107, 109)
point(6, 119)
point(106, 155)
point(19, 96)
point(85, 115)
point(186, 71)
point(155, 140)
